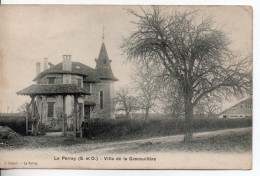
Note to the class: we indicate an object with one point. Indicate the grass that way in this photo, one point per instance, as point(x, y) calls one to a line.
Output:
point(232, 142)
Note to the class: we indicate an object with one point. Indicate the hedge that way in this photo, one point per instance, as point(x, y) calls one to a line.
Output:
point(16, 123)
point(132, 128)
point(110, 128)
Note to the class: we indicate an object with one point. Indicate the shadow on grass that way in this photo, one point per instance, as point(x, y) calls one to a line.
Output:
point(233, 142)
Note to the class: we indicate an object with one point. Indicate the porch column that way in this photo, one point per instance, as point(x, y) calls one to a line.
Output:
point(80, 120)
point(75, 116)
point(33, 115)
point(64, 117)
point(27, 118)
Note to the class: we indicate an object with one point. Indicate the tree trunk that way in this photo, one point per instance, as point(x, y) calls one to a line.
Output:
point(189, 118)
point(147, 108)
point(127, 114)
point(146, 113)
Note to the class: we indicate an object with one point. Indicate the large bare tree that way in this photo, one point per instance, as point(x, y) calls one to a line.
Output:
point(193, 51)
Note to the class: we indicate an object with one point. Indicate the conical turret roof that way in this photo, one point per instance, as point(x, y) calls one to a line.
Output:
point(103, 52)
point(103, 66)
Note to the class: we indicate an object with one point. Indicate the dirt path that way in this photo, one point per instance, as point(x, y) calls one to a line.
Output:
point(108, 147)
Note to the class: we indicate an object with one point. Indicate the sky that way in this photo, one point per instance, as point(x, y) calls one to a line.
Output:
point(29, 33)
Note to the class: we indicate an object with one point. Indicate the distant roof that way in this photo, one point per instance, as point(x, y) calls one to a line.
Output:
point(77, 68)
point(244, 101)
point(52, 89)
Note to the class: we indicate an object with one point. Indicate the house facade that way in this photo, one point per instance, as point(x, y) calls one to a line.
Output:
point(240, 110)
point(99, 82)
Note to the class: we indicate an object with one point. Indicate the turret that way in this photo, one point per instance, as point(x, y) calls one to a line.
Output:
point(105, 104)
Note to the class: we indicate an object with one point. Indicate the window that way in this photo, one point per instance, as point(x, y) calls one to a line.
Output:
point(101, 99)
point(79, 82)
point(249, 106)
point(50, 109)
point(51, 80)
point(80, 110)
point(87, 86)
point(87, 112)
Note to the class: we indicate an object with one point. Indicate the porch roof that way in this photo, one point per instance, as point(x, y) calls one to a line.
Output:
point(89, 103)
point(52, 89)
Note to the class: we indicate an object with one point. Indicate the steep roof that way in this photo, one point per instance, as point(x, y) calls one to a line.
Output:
point(52, 89)
point(103, 52)
point(77, 68)
point(103, 65)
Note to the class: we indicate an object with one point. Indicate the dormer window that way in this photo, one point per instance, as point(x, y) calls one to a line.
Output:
point(51, 80)
point(87, 86)
point(79, 82)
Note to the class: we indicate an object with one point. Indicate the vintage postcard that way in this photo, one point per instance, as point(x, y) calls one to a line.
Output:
point(126, 87)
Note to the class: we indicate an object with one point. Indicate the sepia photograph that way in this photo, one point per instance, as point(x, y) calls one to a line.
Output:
point(126, 86)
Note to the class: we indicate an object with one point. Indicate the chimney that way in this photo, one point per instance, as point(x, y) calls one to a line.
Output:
point(38, 68)
point(66, 64)
point(45, 64)
point(50, 64)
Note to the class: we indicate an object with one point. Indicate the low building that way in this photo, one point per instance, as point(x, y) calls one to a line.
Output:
point(240, 110)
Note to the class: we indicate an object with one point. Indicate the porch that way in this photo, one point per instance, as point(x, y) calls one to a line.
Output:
point(51, 91)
